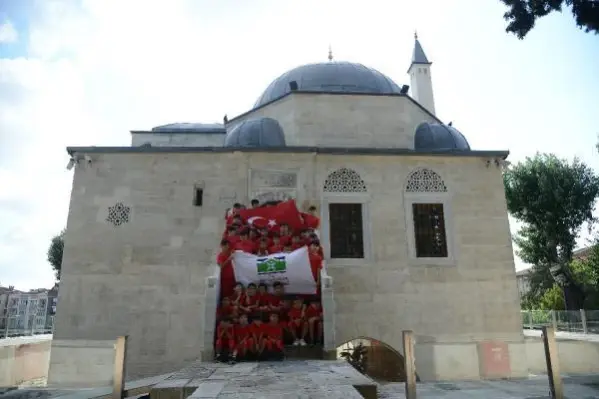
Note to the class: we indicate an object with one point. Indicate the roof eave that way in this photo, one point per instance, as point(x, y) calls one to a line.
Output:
point(418, 63)
point(503, 154)
point(176, 132)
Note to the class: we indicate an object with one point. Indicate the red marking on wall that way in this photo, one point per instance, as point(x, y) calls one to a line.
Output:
point(494, 358)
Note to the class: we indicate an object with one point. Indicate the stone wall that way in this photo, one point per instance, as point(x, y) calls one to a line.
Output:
point(23, 361)
point(145, 277)
point(178, 139)
point(333, 120)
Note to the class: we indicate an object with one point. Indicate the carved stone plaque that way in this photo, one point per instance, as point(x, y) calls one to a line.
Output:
point(273, 179)
point(282, 195)
point(272, 185)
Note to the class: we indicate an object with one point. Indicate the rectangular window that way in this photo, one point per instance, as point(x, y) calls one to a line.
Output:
point(346, 231)
point(429, 231)
point(198, 197)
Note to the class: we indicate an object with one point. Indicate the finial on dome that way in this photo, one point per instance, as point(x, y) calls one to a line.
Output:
point(415, 35)
point(330, 54)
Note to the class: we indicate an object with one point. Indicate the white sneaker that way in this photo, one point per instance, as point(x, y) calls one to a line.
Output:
point(302, 342)
point(296, 343)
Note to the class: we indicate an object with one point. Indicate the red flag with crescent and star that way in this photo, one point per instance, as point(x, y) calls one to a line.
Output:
point(272, 217)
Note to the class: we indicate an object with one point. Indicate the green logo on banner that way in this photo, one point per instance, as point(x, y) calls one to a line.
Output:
point(277, 264)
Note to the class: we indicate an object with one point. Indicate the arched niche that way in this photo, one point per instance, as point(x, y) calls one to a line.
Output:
point(383, 362)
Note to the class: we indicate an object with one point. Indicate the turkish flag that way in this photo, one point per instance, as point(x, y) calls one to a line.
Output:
point(273, 216)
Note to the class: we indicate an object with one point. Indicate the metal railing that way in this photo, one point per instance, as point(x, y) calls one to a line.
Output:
point(575, 321)
point(15, 327)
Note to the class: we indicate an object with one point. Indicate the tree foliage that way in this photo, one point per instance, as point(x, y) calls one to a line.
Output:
point(553, 199)
point(55, 253)
point(523, 14)
point(357, 357)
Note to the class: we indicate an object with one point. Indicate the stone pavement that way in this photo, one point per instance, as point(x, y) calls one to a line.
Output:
point(316, 379)
point(536, 387)
point(304, 379)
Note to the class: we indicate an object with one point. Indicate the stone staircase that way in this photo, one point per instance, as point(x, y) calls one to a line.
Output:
point(328, 349)
point(305, 370)
point(304, 352)
point(267, 380)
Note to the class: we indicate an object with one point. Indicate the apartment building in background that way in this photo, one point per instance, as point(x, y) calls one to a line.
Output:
point(27, 313)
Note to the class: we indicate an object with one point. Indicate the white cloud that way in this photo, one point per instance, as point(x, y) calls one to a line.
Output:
point(8, 33)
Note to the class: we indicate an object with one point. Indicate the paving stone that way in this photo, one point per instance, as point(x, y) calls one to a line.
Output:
point(208, 390)
point(536, 388)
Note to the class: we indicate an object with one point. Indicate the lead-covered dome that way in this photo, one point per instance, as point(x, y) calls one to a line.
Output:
point(260, 132)
point(334, 77)
point(436, 136)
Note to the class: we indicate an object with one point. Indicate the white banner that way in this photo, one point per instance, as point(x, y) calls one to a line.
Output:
point(292, 270)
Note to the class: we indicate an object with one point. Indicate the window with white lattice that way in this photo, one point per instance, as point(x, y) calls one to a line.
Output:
point(428, 217)
point(345, 217)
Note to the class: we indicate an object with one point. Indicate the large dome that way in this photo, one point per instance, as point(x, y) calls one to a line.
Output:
point(333, 77)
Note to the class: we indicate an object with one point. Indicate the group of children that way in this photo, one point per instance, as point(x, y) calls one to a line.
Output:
point(256, 325)
point(253, 323)
point(265, 240)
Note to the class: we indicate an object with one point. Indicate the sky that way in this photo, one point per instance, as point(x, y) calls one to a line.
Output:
point(87, 72)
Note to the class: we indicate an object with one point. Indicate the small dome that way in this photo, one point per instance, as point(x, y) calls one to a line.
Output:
point(190, 128)
point(435, 136)
point(260, 132)
point(331, 77)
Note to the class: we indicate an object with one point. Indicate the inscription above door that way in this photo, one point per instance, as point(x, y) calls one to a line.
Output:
point(273, 179)
point(272, 185)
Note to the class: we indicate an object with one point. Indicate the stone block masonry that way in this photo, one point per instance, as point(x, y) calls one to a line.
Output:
point(146, 277)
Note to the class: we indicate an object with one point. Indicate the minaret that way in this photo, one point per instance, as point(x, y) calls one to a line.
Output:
point(420, 77)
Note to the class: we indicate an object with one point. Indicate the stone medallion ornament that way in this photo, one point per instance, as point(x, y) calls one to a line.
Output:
point(118, 214)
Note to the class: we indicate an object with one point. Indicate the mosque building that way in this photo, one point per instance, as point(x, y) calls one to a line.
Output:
point(414, 228)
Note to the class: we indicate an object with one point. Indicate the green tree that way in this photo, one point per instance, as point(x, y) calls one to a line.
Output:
point(523, 14)
point(552, 299)
point(586, 273)
point(55, 253)
point(553, 199)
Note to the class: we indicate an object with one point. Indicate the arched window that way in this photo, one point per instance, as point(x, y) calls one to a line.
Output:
point(427, 209)
point(344, 215)
point(344, 180)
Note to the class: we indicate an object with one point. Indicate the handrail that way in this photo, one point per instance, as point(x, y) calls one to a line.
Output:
point(328, 308)
point(211, 298)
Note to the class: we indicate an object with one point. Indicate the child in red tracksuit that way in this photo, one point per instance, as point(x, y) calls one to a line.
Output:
point(313, 317)
point(258, 332)
point(243, 339)
point(296, 324)
point(225, 339)
point(273, 343)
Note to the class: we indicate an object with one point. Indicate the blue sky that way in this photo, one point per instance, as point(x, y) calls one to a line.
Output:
point(86, 72)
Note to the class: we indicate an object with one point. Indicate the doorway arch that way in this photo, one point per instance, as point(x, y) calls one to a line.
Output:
point(382, 362)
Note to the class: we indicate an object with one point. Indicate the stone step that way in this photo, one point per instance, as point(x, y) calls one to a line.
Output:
point(304, 352)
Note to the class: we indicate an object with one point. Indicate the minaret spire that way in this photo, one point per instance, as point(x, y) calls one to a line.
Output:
point(330, 54)
point(420, 77)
